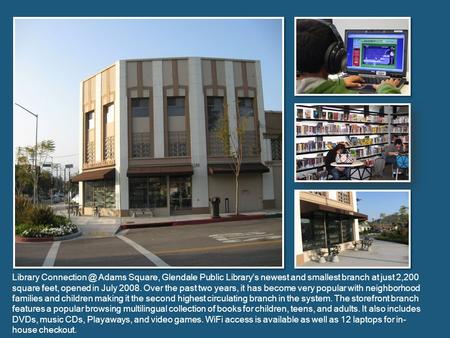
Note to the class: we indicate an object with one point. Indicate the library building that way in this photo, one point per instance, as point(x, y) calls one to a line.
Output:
point(327, 219)
point(343, 142)
point(150, 138)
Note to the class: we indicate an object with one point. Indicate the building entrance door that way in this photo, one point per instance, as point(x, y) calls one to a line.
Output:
point(180, 189)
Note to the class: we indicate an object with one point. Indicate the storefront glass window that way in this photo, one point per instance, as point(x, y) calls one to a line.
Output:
point(99, 194)
point(148, 192)
point(347, 230)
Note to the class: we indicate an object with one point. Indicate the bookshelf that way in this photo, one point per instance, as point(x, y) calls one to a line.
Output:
point(364, 130)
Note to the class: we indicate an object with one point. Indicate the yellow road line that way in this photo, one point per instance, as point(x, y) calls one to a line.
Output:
point(219, 247)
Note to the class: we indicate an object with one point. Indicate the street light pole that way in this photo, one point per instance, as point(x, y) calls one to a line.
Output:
point(35, 178)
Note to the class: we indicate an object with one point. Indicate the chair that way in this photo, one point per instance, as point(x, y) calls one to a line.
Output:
point(324, 175)
point(402, 162)
point(378, 167)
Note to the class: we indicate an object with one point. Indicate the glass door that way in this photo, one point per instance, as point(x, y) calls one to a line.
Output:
point(180, 194)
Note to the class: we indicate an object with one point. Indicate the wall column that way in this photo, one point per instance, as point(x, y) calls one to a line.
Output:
point(98, 117)
point(158, 109)
point(81, 146)
point(199, 158)
point(266, 150)
point(121, 138)
point(231, 101)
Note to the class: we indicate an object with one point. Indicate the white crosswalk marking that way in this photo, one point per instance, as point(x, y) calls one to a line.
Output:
point(238, 237)
point(51, 254)
point(149, 255)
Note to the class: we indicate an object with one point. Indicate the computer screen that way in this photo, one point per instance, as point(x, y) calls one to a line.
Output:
point(376, 51)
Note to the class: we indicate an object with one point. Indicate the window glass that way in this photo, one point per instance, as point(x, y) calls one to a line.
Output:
point(246, 107)
point(175, 106)
point(90, 120)
point(99, 194)
point(215, 112)
point(109, 113)
point(148, 192)
point(140, 107)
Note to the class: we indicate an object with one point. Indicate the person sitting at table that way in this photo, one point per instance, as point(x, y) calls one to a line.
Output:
point(338, 173)
point(391, 151)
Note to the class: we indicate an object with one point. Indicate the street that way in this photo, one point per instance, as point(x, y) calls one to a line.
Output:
point(249, 243)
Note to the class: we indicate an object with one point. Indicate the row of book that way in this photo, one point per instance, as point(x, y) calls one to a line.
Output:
point(318, 145)
point(369, 151)
point(318, 160)
point(310, 162)
point(405, 138)
point(321, 129)
point(310, 114)
point(401, 119)
point(400, 129)
point(366, 141)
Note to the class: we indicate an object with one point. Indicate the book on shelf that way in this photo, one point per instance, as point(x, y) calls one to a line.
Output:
point(310, 162)
point(319, 114)
point(337, 128)
point(400, 119)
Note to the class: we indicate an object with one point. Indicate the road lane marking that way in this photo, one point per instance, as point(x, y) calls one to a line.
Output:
point(238, 237)
point(149, 255)
point(218, 247)
point(51, 254)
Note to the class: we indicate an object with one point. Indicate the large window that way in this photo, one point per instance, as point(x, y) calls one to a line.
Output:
point(141, 134)
point(344, 197)
point(321, 229)
point(248, 126)
point(140, 107)
point(108, 132)
point(347, 230)
point(215, 115)
point(176, 126)
point(89, 138)
point(148, 192)
point(90, 120)
point(99, 194)
point(313, 231)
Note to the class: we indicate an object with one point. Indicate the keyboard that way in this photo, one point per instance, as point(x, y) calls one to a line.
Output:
point(377, 80)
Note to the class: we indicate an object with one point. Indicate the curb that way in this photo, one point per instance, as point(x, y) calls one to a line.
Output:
point(197, 221)
point(20, 239)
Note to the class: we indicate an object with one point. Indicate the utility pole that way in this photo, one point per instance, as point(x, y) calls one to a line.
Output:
point(35, 178)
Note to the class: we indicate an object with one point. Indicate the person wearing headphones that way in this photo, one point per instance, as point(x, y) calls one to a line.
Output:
point(321, 52)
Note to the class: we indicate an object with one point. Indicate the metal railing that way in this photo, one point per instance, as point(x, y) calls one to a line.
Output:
point(108, 148)
point(177, 143)
point(141, 145)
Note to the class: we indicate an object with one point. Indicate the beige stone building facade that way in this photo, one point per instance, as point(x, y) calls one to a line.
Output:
point(150, 137)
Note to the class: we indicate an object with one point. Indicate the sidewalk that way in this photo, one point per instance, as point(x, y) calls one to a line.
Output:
point(92, 226)
point(381, 254)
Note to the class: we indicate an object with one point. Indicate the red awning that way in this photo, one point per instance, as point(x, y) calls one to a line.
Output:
point(95, 175)
point(160, 170)
point(226, 168)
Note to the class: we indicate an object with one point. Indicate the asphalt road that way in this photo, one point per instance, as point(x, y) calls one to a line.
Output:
point(250, 243)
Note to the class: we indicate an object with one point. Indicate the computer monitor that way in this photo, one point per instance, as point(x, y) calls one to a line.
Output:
point(379, 52)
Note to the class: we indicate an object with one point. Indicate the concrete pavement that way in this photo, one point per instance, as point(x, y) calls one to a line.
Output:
point(248, 243)
point(381, 254)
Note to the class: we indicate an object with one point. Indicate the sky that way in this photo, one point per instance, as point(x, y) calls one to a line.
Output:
point(372, 203)
point(52, 56)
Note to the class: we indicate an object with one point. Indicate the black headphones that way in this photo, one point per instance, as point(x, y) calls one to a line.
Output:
point(336, 54)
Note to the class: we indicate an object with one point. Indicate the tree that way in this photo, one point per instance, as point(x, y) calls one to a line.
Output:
point(233, 148)
point(25, 169)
